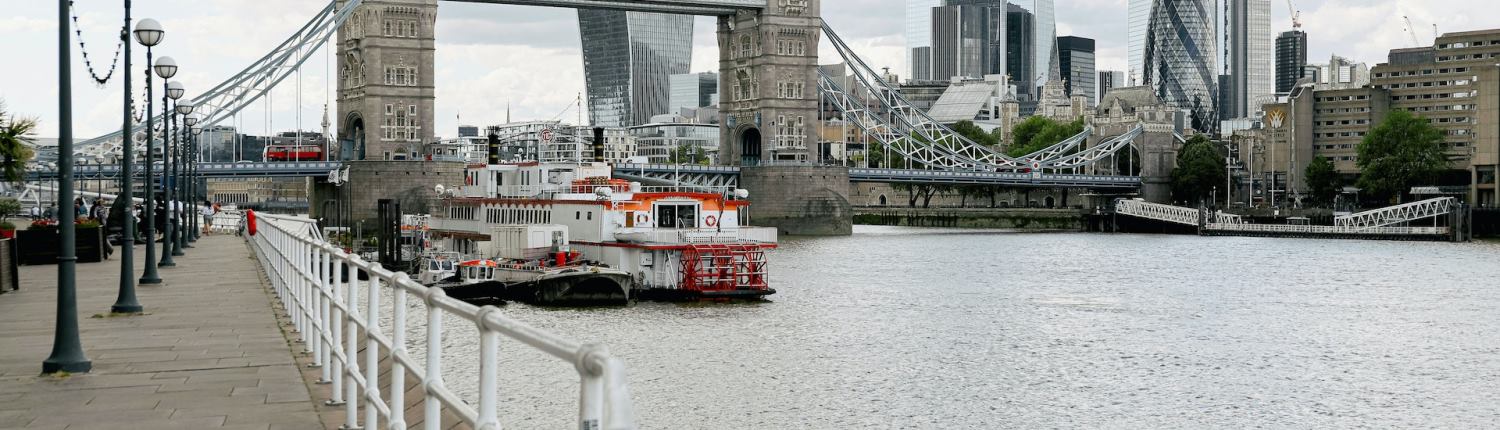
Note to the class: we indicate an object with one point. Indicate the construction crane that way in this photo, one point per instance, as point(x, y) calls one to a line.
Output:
point(1296, 15)
point(1434, 32)
point(1411, 32)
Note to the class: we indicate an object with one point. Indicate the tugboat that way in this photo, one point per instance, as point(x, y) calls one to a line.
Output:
point(669, 243)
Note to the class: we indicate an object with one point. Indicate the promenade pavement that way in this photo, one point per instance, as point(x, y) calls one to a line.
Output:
point(208, 353)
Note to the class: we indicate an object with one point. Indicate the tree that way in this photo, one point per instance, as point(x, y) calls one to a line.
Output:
point(1038, 132)
point(973, 132)
point(684, 154)
point(1200, 168)
point(15, 136)
point(1403, 151)
point(1323, 181)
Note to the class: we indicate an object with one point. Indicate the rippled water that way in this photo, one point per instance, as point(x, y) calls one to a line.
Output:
point(926, 328)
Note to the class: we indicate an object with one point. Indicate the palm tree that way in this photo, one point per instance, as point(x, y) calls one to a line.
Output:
point(15, 140)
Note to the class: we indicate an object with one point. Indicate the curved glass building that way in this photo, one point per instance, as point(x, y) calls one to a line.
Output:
point(1179, 58)
point(628, 61)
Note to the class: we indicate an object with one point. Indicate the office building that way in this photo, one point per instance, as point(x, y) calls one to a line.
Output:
point(1109, 80)
point(1045, 65)
point(1179, 52)
point(1138, 22)
point(1250, 57)
point(919, 38)
point(1291, 57)
point(1076, 60)
point(628, 58)
point(689, 143)
point(1340, 73)
point(692, 91)
point(968, 39)
point(1020, 49)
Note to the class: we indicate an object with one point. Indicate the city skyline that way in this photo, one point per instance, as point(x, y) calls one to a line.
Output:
point(530, 58)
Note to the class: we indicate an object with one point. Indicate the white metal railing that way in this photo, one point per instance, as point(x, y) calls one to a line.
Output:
point(320, 287)
point(227, 221)
point(1329, 229)
point(1157, 211)
point(1398, 214)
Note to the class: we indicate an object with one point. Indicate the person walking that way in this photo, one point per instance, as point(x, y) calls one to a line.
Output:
point(208, 212)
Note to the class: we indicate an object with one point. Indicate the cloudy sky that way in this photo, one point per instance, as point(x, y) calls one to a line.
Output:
point(491, 56)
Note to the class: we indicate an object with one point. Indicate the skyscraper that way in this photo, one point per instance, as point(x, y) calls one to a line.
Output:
point(1020, 45)
point(1045, 64)
point(919, 37)
point(692, 90)
point(1291, 57)
point(627, 60)
point(1108, 80)
point(1179, 58)
point(1250, 57)
point(968, 39)
point(1076, 60)
point(1138, 23)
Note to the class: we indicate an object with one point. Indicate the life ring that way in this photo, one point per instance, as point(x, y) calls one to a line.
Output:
point(711, 221)
point(642, 219)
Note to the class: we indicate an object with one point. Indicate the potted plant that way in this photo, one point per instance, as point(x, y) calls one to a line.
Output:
point(7, 230)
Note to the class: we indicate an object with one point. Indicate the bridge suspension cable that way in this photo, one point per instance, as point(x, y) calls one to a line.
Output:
point(916, 136)
point(227, 98)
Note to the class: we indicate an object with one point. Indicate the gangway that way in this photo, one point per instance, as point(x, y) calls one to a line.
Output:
point(1398, 214)
point(1158, 211)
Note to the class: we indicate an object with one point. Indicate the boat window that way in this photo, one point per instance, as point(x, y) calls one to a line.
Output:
point(677, 216)
point(433, 265)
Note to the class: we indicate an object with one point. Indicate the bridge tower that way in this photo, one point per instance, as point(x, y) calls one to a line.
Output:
point(768, 90)
point(385, 90)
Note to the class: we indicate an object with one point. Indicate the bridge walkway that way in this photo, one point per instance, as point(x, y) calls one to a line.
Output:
point(209, 353)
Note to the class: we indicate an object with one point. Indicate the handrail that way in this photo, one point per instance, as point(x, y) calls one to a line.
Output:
point(320, 287)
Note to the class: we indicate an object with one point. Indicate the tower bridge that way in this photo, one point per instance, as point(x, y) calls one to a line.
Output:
point(769, 106)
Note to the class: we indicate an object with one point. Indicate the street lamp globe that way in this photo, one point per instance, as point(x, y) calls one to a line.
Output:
point(165, 67)
point(175, 90)
point(197, 130)
point(148, 32)
point(185, 108)
point(190, 120)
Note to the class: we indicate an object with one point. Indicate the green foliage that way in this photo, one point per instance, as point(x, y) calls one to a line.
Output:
point(974, 133)
point(1323, 182)
point(9, 207)
point(1200, 168)
point(7, 225)
point(1039, 132)
point(686, 154)
point(15, 138)
point(1402, 152)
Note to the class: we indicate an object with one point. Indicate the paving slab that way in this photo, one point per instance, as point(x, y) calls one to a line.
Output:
point(208, 353)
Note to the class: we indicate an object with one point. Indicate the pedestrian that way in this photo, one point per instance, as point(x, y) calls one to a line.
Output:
point(208, 213)
point(36, 212)
point(80, 209)
point(51, 212)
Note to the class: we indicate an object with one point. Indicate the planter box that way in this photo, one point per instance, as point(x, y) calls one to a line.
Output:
point(40, 247)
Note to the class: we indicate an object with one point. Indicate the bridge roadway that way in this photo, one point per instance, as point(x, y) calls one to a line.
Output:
point(693, 174)
point(209, 352)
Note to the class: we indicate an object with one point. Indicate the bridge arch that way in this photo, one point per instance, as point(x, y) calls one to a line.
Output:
point(750, 145)
point(352, 137)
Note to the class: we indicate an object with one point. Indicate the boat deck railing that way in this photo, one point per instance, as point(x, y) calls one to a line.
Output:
point(321, 287)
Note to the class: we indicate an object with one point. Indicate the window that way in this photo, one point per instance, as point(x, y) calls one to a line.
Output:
point(677, 216)
point(388, 28)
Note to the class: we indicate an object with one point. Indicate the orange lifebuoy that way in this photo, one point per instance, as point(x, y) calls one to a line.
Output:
point(711, 221)
point(642, 218)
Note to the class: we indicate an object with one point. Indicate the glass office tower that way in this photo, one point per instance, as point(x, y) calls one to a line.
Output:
point(1138, 22)
point(1252, 74)
point(919, 37)
point(1180, 56)
point(628, 58)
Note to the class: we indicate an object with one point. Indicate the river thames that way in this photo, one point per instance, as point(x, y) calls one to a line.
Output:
point(931, 328)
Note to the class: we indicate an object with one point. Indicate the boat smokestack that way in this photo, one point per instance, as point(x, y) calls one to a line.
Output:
point(494, 148)
point(599, 144)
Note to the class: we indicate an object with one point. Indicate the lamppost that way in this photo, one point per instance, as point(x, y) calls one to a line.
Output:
point(67, 349)
point(178, 188)
point(149, 34)
point(174, 88)
point(193, 172)
point(190, 231)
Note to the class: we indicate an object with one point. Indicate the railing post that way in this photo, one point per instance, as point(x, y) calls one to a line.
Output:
point(432, 417)
point(372, 351)
point(489, 372)
point(398, 351)
point(321, 259)
point(336, 320)
point(351, 348)
point(590, 387)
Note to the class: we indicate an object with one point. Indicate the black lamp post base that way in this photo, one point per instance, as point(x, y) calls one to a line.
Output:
point(166, 264)
point(149, 281)
point(78, 364)
point(126, 309)
point(177, 252)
